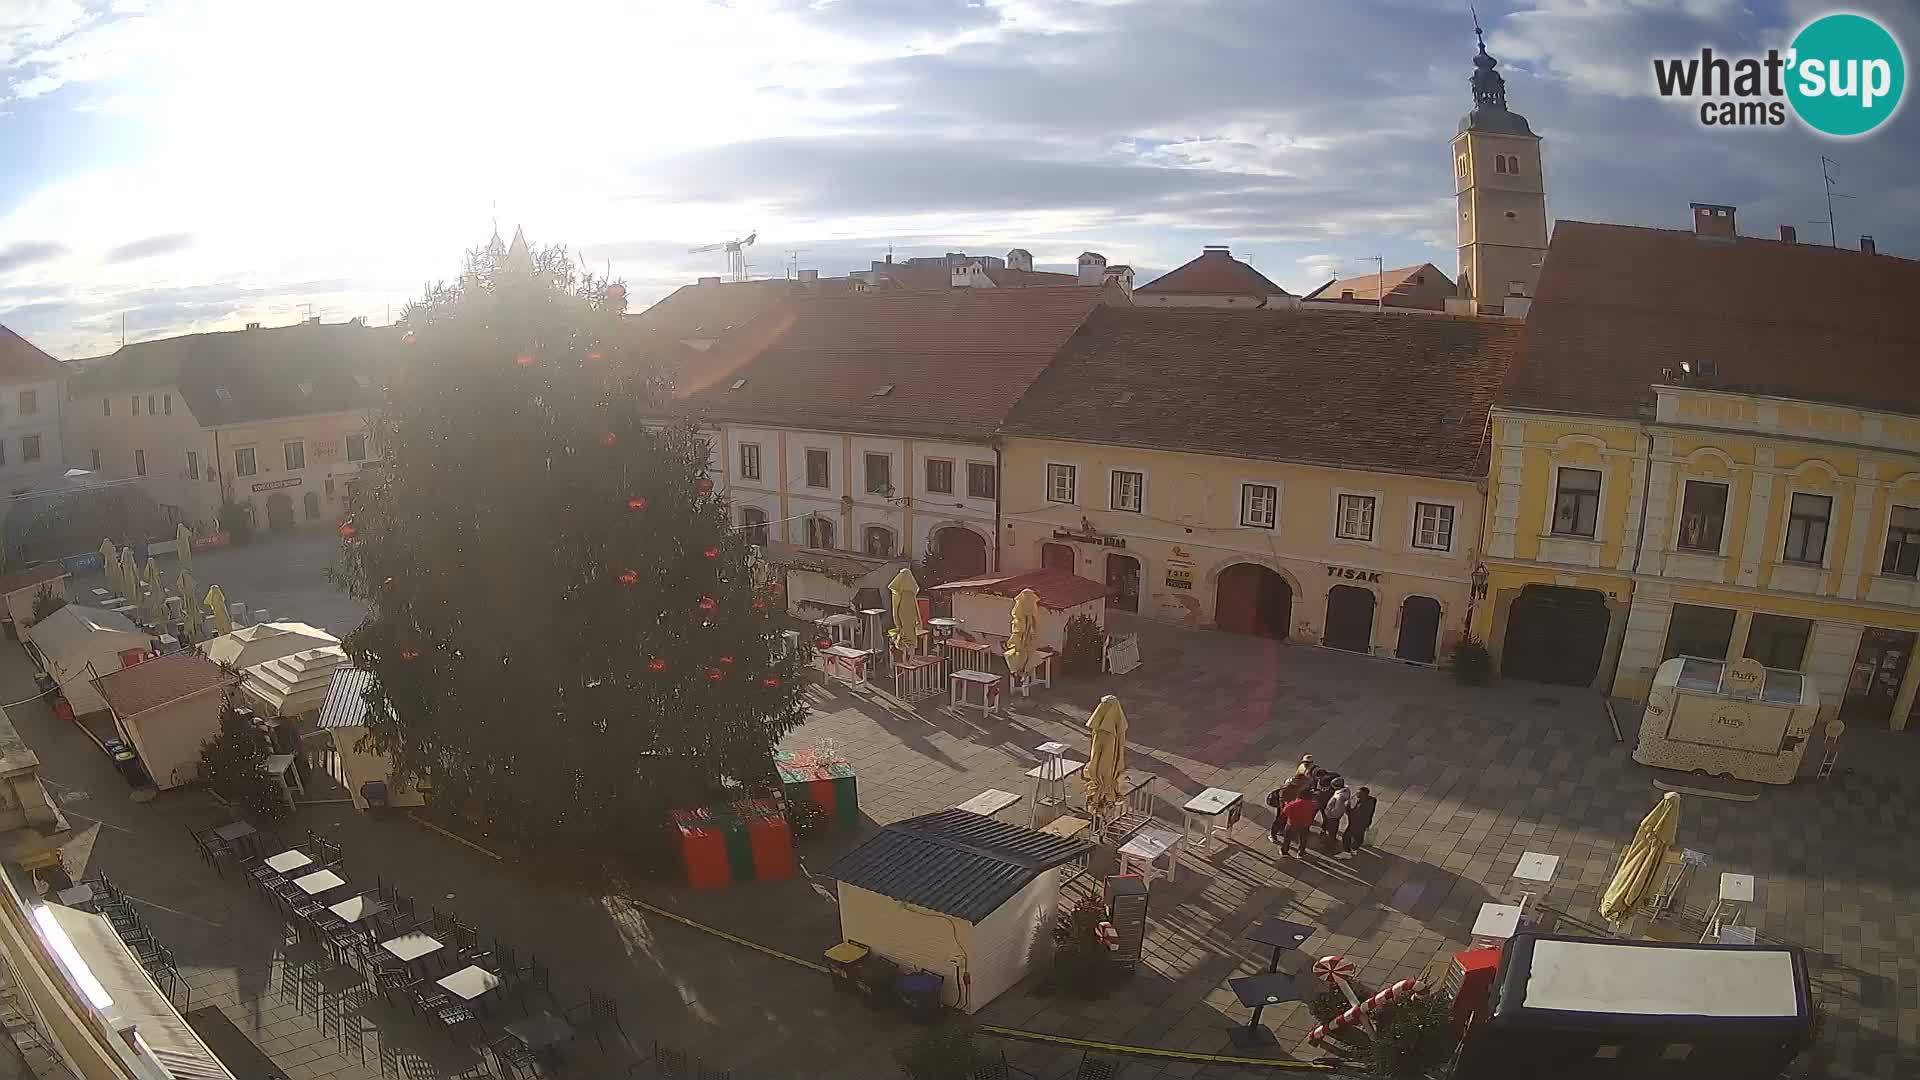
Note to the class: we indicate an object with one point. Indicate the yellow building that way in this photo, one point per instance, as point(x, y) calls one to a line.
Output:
point(1309, 475)
point(274, 420)
point(1711, 447)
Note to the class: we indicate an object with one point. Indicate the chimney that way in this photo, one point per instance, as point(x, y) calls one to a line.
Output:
point(1713, 221)
point(809, 277)
point(713, 280)
point(1217, 249)
point(1788, 235)
point(1093, 268)
point(1866, 245)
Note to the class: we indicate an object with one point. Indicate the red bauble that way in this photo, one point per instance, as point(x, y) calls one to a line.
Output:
point(596, 356)
point(759, 605)
point(708, 603)
point(616, 291)
point(726, 661)
point(346, 530)
point(704, 486)
point(629, 577)
point(824, 643)
point(407, 338)
point(656, 665)
point(525, 360)
point(409, 654)
point(636, 503)
point(772, 682)
point(714, 674)
point(608, 438)
point(712, 553)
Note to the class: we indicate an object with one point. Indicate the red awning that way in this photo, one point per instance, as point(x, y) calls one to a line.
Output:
point(1058, 590)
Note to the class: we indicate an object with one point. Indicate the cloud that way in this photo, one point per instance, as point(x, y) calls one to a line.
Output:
point(16, 256)
point(164, 244)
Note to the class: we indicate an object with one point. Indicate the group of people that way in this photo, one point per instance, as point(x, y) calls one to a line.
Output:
point(1315, 794)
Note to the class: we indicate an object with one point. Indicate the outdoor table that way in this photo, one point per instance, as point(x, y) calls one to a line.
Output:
point(281, 765)
point(1042, 670)
point(1495, 924)
point(962, 653)
point(1280, 934)
point(408, 948)
point(915, 677)
point(319, 881)
point(1052, 778)
point(1203, 816)
point(101, 593)
point(1141, 854)
point(943, 628)
point(959, 692)
point(470, 982)
point(989, 802)
point(80, 896)
point(288, 861)
point(1257, 992)
point(353, 909)
point(541, 1032)
point(236, 831)
point(1536, 871)
point(1736, 892)
point(844, 658)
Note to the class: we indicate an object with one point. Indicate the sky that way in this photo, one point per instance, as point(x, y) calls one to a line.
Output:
point(195, 165)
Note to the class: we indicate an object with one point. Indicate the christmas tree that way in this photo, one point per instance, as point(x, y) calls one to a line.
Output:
point(564, 634)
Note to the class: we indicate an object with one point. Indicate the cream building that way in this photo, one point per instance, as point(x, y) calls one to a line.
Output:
point(1502, 199)
point(31, 453)
point(1309, 475)
point(274, 420)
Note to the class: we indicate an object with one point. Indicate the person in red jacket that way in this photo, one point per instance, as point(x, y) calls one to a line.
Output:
point(1298, 814)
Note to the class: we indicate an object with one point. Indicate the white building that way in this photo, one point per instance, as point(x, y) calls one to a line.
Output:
point(30, 397)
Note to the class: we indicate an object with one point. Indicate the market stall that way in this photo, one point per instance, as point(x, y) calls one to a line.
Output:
point(360, 769)
point(821, 583)
point(167, 707)
point(293, 686)
point(77, 644)
point(984, 605)
point(957, 895)
point(1734, 719)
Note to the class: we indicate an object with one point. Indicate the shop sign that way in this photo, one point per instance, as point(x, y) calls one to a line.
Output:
point(327, 450)
point(270, 485)
point(1123, 654)
point(1090, 537)
point(1372, 577)
point(1744, 678)
point(1178, 578)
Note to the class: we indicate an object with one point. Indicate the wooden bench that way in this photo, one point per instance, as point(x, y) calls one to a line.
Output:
point(989, 802)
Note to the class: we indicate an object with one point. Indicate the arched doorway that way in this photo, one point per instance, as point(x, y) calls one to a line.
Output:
point(279, 511)
point(1419, 629)
point(1253, 599)
point(1123, 583)
point(1057, 557)
point(1349, 619)
point(313, 505)
point(1556, 635)
point(963, 554)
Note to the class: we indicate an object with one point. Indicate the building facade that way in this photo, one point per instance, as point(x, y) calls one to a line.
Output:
point(1170, 455)
point(31, 451)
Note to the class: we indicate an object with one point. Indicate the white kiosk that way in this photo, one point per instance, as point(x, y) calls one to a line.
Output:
point(1735, 719)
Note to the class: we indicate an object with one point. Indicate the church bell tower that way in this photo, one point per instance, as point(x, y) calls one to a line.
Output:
point(1501, 198)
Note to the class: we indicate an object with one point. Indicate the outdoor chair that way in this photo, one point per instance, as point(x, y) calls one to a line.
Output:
point(595, 1014)
point(448, 1014)
point(102, 885)
point(347, 944)
point(261, 877)
point(668, 1062)
point(703, 1072)
point(1093, 1068)
point(513, 1057)
point(532, 976)
point(441, 924)
point(498, 960)
point(463, 936)
point(394, 987)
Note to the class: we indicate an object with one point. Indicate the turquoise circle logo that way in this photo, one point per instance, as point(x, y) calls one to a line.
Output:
point(1847, 74)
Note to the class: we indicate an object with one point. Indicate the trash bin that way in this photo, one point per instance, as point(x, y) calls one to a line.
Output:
point(374, 792)
point(843, 963)
point(875, 975)
point(920, 995)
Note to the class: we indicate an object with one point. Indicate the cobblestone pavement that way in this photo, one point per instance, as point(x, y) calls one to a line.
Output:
point(1467, 780)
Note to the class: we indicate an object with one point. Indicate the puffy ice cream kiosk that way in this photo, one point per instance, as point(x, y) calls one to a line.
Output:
point(1721, 718)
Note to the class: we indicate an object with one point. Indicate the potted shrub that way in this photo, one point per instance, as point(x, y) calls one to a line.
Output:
point(1472, 663)
point(1085, 648)
point(1412, 1038)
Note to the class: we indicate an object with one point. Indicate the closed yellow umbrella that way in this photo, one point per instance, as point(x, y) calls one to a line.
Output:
point(184, 584)
point(1108, 755)
point(905, 593)
point(129, 576)
point(184, 539)
point(110, 563)
point(217, 609)
point(156, 603)
point(1026, 624)
point(1642, 861)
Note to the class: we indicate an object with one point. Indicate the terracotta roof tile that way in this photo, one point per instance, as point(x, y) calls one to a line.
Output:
point(234, 376)
point(1397, 283)
point(30, 578)
point(159, 681)
point(1214, 272)
point(1343, 387)
point(1056, 589)
point(957, 359)
point(1616, 305)
point(21, 360)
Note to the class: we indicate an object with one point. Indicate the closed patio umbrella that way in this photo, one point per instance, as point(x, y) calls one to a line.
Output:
point(904, 594)
point(217, 611)
point(156, 597)
point(110, 563)
point(1107, 762)
point(1640, 865)
point(1025, 625)
point(184, 539)
point(184, 584)
point(129, 576)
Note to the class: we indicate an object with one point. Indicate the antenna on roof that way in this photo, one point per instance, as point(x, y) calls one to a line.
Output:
point(1833, 233)
point(1379, 278)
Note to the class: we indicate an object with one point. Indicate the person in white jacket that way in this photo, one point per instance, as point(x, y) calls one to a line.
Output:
point(1336, 808)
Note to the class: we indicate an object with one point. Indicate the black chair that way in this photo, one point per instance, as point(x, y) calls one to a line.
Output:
point(1093, 1068)
point(513, 1057)
point(394, 986)
point(702, 1071)
point(669, 1063)
point(532, 975)
point(463, 936)
point(997, 1070)
point(102, 885)
point(448, 1015)
point(596, 1014)
point(441, 924)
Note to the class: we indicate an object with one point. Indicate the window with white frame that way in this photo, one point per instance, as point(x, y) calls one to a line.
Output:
point(1128, 491)
point(819, 469)
point(1576, 503)
point(1703, 516)
point(243, 461)
point(1902, 558)
point(1354, 519)
point(1433, 526)
point(749, 461)
point(880, 474)
point(939, 476)
point(983, 480)
point(753, 522)
point(29, 448)
point(1061, 483)
point(357, 446)
point(1807, 518)
point(1259, 505)
point(820, 533)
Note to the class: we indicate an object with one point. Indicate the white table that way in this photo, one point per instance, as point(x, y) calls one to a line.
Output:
point(410, 947)
point(1495, 924)
point(1141, 854)
point(319, 881)
point(1736, 892)
point(353, 909)
point(960, 690)
point(1052, 779)
point(1210, 813)
point(288, 861)
point(101, 593)
point(78, 896)
point(1535, 871)
point(943, 627)
point(844, 662)
point(470, 982)
point(989, 802)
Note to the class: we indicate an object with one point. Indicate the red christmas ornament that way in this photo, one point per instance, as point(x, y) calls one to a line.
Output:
point(708, 603)
point(726, 661)
point(407, 338)
point(712, 553)
point(616, 291)
point(608, 438)
point(656, 665)
point(636, 503)
point(704, 486)
point(629, 577)
point(525, 360)
point(824, 643)
point(771, 682)
point(346, 530)
point(759, 605)
point(596, 356)
point(409, 654)
point(714, 674)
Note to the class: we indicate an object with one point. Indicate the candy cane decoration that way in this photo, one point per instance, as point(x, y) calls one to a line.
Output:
point(1334, 969)
point(1361, 1012)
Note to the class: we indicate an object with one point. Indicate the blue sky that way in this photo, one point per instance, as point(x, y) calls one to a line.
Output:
point(201, 164)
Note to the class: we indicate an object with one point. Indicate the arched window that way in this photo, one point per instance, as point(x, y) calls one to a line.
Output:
point(1499, 163)
point(820, 533)
point(879, 541)
point(754, 520)
point(1513, 164)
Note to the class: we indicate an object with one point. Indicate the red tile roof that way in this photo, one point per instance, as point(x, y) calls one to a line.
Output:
point(1058, 590)
point(1618, 304)
point(1215, 272)
point(1398, 284)
point(160, 681)
point(1346, 387)
point(956, 360)
point(21, 360)
point(706, 311)
point(27, 579)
